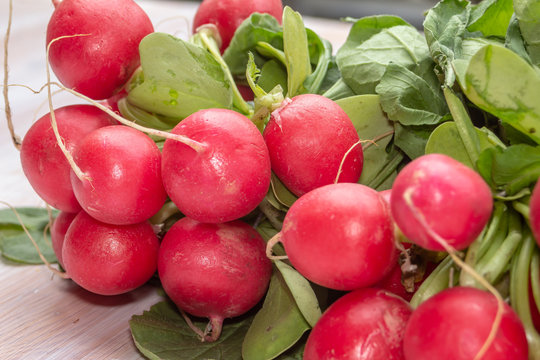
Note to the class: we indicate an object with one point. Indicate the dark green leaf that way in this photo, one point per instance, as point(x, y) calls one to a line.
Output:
point(491, 17)
point(445, 27)
point(411, 99)
point(179, 79)
point(273, 74)
point(412, 139)
point(277, 326)
point(162, 333)
point(514, 41)
point(32, 218)
point(321, 50)
point(372, 44)
point(257, 28)
point(339, 90)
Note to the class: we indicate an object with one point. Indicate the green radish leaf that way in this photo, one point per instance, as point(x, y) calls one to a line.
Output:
point(273, 73)
point(144, 118)
point(445, 139)
point(500, 82)
point(179, 78)
point(283, 195)
point(162, 333)
point(411, 99)
point(514, 41)
point(491, 17)
point(512, 169)
point(15, 244)
point(295, 47)
point(302, 292)
point(372, 44)
point(321, 50)
point(445, 27)
point(469, 47)
point(412, 139)
point(528, 16)
point(371, 123)
point(339, 90)
point(255, 29)
point(277, 326)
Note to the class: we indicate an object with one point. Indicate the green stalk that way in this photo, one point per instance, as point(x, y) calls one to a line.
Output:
point(438, 280)
point(492, 267)
point(519, 292)
point(210, 44)
point(535, 277)
point(464, 124)
point(497, 227)
point(386, 171)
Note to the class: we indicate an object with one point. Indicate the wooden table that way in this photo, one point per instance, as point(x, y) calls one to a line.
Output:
point(41, 315)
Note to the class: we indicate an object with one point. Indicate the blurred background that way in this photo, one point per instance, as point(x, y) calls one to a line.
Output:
point(410, 10)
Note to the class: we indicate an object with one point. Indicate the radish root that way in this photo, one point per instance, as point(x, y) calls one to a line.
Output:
point(14, 137)
point(270, 245)
point(63, 275)
point(464, 266)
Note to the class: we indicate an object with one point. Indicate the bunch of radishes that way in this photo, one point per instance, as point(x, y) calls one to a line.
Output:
point(115, 188)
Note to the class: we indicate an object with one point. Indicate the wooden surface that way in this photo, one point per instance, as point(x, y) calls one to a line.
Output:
point(41, 315)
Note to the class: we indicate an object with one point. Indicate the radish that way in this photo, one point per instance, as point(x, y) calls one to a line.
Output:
point(213, 270)
point(364, 324)
point(59, 229)
point(436, 198)
point(455, 323)
point(227, 15)
point(340, 236)
point(123, 170)
point(308, 136)
point(42, 160)
point(534, 215)
point(109, 259)
point(100, 61)
point(226, 176)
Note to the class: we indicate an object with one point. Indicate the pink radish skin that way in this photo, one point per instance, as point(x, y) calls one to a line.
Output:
point(214, 270)
point(59, 229)
point(109, 259)
point(453, 199)
point(340, 236)
point(101, 62)
point(228, 177)
point(227, 15)
point(534, 206)
point(455, 323)
point(44, 164)
point(366, 324)
point(124, 170)
point(307, 137)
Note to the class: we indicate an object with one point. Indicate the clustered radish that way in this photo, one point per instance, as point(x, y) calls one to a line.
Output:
point(97, 49)
point(217, 173)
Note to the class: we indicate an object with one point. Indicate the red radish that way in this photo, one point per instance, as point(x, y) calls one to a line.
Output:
point(227, 15)
point(99, 63)
point(308, 136)
point(455, 323)
point(109, 259)
point(59, 228)
point(454, 201)
point(42, 160)
point(364, 324)
point(124, 184)
point(340, 236)
point(534, 206)
point(214, 270)
point(227, 177)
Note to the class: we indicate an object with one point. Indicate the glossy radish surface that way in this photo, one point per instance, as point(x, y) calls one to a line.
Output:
point(365, 324)
point(340, 236)
point(216, 271)
point(59, 228)
point(228, 177)
point(308, 136)
point(454, 200)
point(109, 259)
point(455, 323)
point(44, 164)
point(99, 63)
point(124, 183)
point(227, 15)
